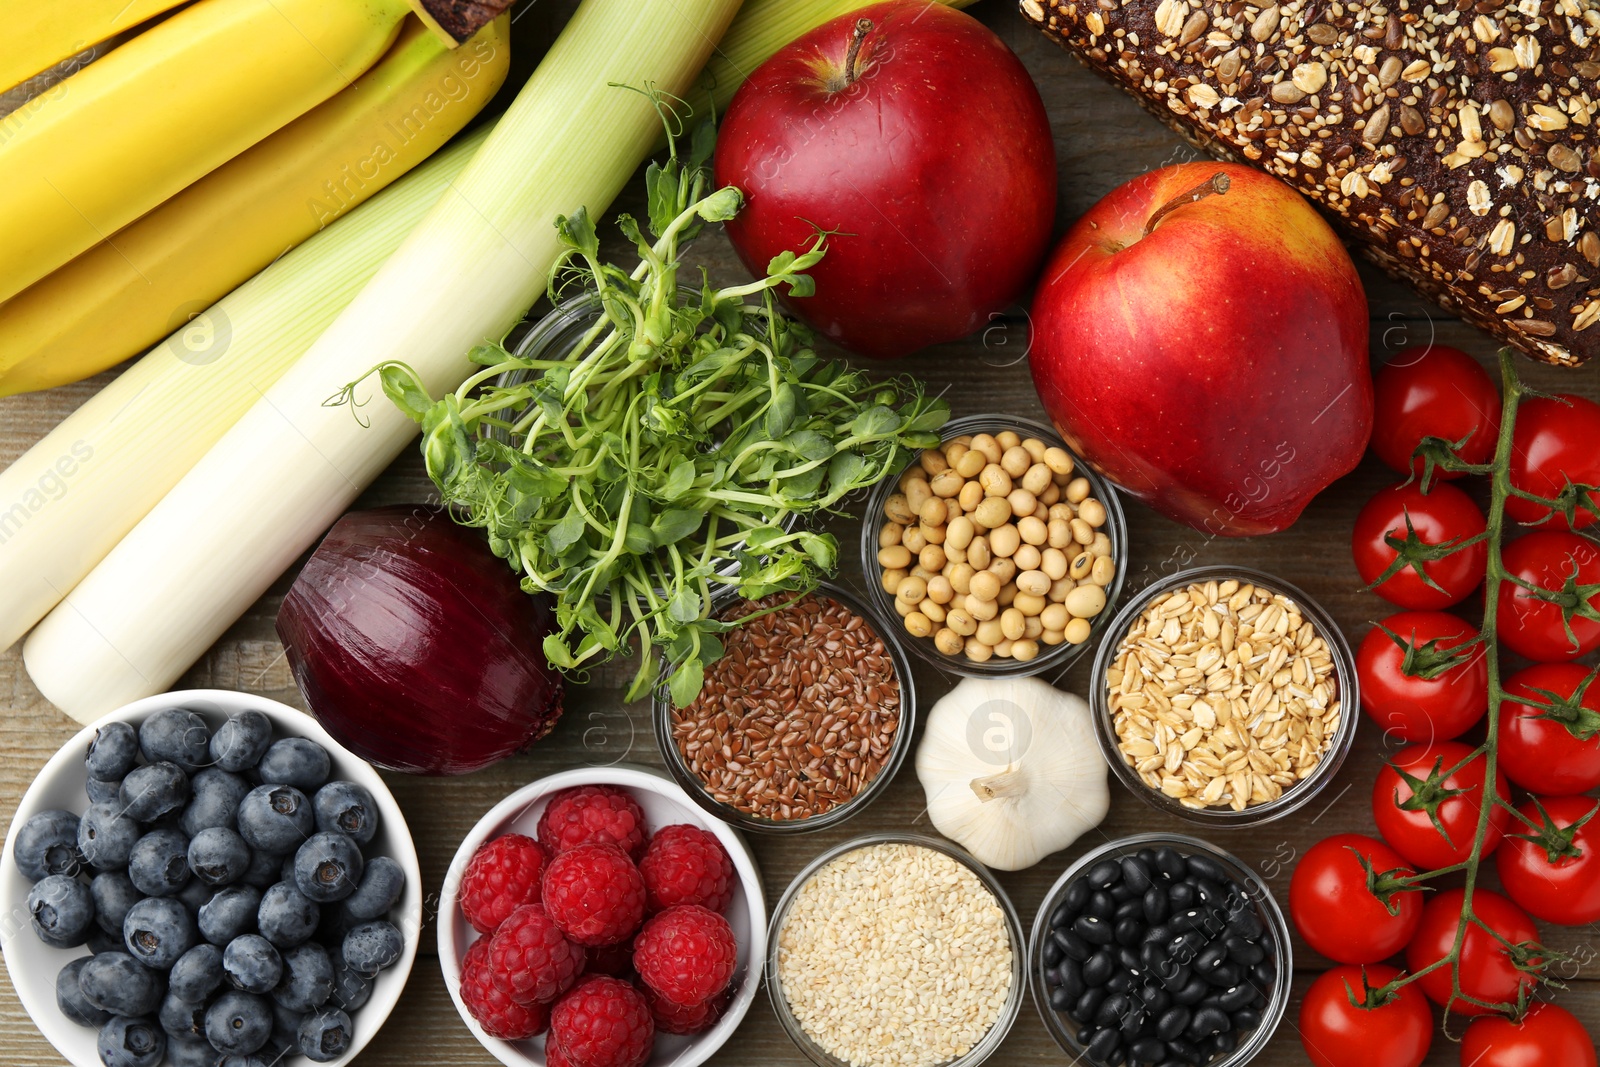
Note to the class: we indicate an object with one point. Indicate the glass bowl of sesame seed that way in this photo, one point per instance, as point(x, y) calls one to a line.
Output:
point(1224, 696)
point(896, 950)
point(801, 723)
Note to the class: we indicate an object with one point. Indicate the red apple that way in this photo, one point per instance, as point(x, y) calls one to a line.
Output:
point(910, 132)
point(1200, 337)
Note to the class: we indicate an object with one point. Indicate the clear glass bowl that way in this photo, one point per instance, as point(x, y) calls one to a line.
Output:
point(1055, 658)
point(1296, 796)
point(1008, 1013)
point(1063, 1028)
point(692, 784)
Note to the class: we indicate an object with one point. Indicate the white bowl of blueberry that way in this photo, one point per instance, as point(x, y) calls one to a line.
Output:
point(210, 879)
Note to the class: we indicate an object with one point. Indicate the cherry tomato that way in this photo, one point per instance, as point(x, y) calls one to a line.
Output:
point(1421, 693)
point(1548, 1035)
point(1444, 515)
point(1434, 391)
point(1337, 913)
point(1538, 747)
point(1487, 971)
point(1411, 832)
point(1337, 1033)
point(1565, 890)
point(1533, 627)
point(1556, 441)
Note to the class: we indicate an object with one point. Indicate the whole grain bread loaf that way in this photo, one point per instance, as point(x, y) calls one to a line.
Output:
point(1453, 141)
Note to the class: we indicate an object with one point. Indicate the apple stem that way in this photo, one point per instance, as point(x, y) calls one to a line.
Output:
point(863, 27)
point(1217, 183)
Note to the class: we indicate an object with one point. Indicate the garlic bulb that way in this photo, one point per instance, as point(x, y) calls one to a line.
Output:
point(1011, 770)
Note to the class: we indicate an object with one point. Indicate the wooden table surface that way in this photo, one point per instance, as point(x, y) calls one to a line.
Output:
point(1102, 139)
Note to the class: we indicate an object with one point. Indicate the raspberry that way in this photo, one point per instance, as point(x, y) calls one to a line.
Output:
point(594, 894)
point(530, 959)
point(502, 876)
point(602, 1022)
point(615, 960)
point(673, 1018)
point(593, 814)
point(497, 1013)
point(686, 954)
point(686, 865)
point(553, 1056)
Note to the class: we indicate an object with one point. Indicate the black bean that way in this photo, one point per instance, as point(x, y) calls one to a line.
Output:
point(1175, 976)
point(1148, 1050)
point(1100, 967)
point(1210, 958)
point(1061, 918)
point(1052, 952)
point(1086, 1033)
point(1076, 896)
point(1229, 974)
point(1206, 867)
point(1159, 934)
point(1128, 957)
point(1093, 929)
point(1121, 891)
point(1183, 1050)
point(1170, 863)
point(1152, 955)
point(1220, 1044)
point(1244, 952)
point(1069, 976)
point(1113, 1010)
point(1192, 992)
point(1103, 875)
point(1135, 875)
point(1154, 904)
point(1262, 974)
point(1245, 923)
point(1072, 946)
point(1187, 945)
point(1182, 895)
point(1060, 998)
point(1103, 1045)
point(1088, 1004)
point(1202, 919)
point(1248, 1019)
point(1121, 982)
point(1155, 998)
point(1132, 908)
point(1101, 904)
point(1235, 997)
point(1134, 1023)
point(1129, 930)
point(1210, 891)
point(1207, 1021)
point(1147, 856)
point(1173, 1022)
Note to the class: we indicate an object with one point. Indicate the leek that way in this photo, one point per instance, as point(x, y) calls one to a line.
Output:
point(67, 501)
point(291, 465)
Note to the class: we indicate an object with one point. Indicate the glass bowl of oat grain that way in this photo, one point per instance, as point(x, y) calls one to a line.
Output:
point(896, 950)
point(1224, 696)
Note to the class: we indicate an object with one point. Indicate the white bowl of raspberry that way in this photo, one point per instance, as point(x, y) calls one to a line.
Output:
point(600, 918)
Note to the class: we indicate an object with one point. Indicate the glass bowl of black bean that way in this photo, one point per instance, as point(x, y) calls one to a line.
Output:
point(1160, 948)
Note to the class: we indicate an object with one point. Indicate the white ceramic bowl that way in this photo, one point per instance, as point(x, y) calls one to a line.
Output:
point(33, 965)
point(663, 803)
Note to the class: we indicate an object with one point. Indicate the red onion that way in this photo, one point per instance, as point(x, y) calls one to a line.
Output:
point(416, 647)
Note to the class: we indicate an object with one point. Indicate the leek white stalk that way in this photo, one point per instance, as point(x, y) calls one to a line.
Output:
point(67, 501)
point(291, 465)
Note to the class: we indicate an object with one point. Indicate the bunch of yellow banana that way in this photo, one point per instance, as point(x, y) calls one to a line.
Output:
point(161, 175)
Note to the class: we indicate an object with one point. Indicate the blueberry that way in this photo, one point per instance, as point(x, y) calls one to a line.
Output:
point(325, 1036)
point(197, 974)
point(159, 865)
point(70, 998)
point(113, 751)
point(218, 856)
point(154, 790)
point(190, 1052)
point(177, 735)
point(239, 1023)
point(286, 917)
point(214, 800)
point(101, 940)
point(252, 964)
point(247, 1061)
point(286, 871)
point(379, 890)
point(120, 984)
point(112, 893)
point(159, 930)
point(62, 911)
point(108, 791)
point(295, 761)
point(240, 742)
point(182, 1018)
point(106, 836)
point(351, 990)
point(286, 1028)
point(128, 1042)
point(276, 818)
point(231, 911)
point(371, 947)
point(48, 844)
point(308, 979)
point(266, 869)
point(194, 896)
point(328, 867)
point(347, 808)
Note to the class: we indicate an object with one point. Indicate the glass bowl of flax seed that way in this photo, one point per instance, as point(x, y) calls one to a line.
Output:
point(801, 723)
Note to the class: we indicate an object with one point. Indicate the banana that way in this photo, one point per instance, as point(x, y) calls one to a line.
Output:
point(40, 35)
point(126, 293)
point(136, 126)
